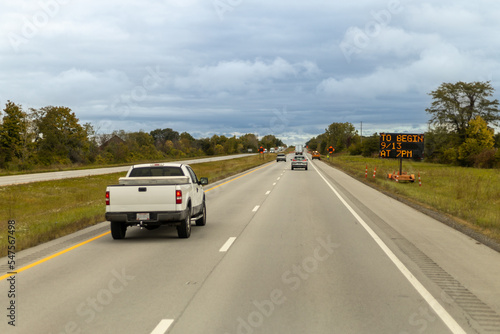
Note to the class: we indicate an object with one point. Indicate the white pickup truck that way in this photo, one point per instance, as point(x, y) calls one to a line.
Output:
point(151, 195)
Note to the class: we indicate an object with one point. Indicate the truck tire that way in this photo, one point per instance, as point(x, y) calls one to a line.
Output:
point(118, 230)
point(203, 220)
point(184, 229)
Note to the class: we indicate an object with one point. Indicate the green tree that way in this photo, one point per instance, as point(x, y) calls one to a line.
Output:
point(16, 138)
point(219, 149)
point(115, 152)
point(371, 146)
point(312, 144)
point(187, 136)
point(455, 105)
point(141, 147)
point(93, 147)
point(441, 145)
point(497, 140)
point(250, 141)
point(187, 143)
point(322, 143)
point(12, 132)
point(206, 146)
point(479, 138)
point(269, 141)
point(231, 145)
point(356, 147)
point(340, 135)
point(216, 140)
point(161, 136)
point(61, 139)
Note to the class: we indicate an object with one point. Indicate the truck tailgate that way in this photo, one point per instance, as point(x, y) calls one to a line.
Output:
point(143, 198)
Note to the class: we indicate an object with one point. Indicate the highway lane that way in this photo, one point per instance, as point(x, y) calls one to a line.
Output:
point(462, 272)
point(36, 177)
point(300, 262)
point(304, 265)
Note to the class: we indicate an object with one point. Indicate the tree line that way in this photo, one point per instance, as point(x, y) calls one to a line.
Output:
point(461, 132)
point(53, 136)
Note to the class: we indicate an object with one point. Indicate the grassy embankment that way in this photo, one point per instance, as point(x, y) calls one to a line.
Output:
point(470, 196)
point(47, 210)
point(62, 167)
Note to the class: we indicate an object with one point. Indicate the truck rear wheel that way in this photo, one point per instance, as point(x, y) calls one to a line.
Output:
point(184, 229)
point(118, 230)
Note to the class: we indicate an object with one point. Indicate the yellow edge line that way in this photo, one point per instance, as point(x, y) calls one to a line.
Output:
point(239, 176)
point(53, 256)
point(100, 236)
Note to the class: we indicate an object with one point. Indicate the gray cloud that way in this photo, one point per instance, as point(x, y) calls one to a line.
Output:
point(288, 68)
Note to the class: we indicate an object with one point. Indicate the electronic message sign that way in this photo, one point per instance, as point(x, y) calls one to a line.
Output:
point(401, 145)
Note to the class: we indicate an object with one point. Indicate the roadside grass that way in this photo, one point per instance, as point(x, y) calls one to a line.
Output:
point(469, 195)
point(63, 167)
point(47, 210)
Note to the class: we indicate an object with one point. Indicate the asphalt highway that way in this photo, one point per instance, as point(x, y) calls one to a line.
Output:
point(283, 252)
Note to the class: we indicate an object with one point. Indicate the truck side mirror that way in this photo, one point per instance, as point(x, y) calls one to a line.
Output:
point(203, 180)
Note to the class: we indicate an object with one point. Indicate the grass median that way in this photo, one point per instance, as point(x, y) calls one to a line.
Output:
point(469, 196)
point(51, 209)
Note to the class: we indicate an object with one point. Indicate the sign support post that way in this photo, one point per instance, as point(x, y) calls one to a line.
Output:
point(330, 152)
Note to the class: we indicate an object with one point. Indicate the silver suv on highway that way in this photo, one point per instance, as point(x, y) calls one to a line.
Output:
point(281, 157)
point(299, 161)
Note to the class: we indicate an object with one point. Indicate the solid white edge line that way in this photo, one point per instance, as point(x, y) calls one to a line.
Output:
point(256, 208)
point(433, 303)
point(163, 326)
point(228, 244)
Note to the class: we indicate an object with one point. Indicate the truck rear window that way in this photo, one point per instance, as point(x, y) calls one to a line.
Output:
point(156, 171)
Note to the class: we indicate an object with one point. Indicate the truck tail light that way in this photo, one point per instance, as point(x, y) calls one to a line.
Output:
point(107, 197)
point(178, 197)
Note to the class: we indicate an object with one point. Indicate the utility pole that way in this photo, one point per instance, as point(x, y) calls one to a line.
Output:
point(361, 132)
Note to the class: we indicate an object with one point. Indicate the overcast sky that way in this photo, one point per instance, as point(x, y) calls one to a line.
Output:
point(288, 68)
